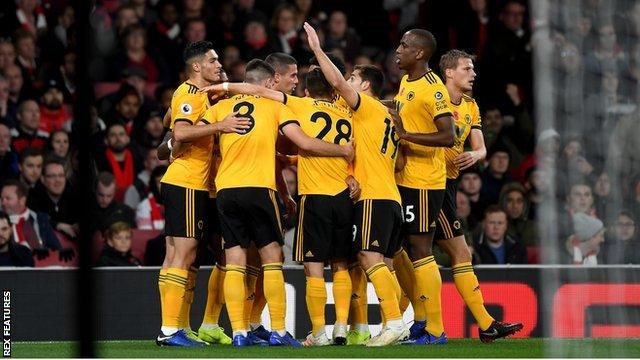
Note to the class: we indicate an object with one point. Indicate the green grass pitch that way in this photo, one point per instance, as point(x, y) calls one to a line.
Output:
point(466, 348)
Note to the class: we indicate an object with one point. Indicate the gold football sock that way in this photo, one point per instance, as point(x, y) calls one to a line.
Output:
point(214, 306)
point(316, 297)
point(259, 302)
point(469, 288)
point(382, 280)
point(250, 295)
point(358, 309)
point(275, 294)
point(428, 287)
point(175, 289)
point(162, 288)
point(234, 295)
point(342, 295)
point(407, 280)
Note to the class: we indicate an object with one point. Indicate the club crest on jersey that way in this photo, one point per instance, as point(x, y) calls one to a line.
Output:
point(438, 95)
point(410, 95)
point(186, 109)
point(467, 119)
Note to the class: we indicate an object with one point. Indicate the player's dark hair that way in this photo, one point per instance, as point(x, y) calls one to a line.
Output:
point(280, 61)
point(29, 152)
point(426, 41)
point(21, 188)
point(337, 61)
point(449, 60)
point(373, 75)
point(258, 71)
point(196, 49)
point(318, 85)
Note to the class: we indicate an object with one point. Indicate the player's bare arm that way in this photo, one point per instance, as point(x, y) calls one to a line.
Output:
point(318, 147)
point(185, 132)
point(444, 137)
point(245, 88)
point(478, 152)
point(283, 190)
point(330, 71)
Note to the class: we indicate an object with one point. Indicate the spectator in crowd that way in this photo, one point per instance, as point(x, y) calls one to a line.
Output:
point(493, 245)
point(607, 54)
point(574, 165)
point(224, 29)
point(164, 35)
point(117, 250)
point(12, 254)
point(513, 200)
point(8, 158)
point(26, 55)
point(588, 235)
point(53, 196)
point(126, 109)
point(284, 24)
point(604, 204)
point(30, 228)
point(471, 185)
point(28, 133)
point(135, 54)
point(472, 27)
point(494, 130)
point(340, 37)
point(195, 29)
point(306, 10)
point(30, 166)
point(496, 174)
point(18, 89)
point(507, 56)
point(146, 14)
point(140, 187)
point(53, 114)
point(59, 147)
point(7, 54)
point(256, 43)
point(580, 199)
point(118, 159)
point(6, 117)
point(105, 210)
point(192, 9)
point(150, 212)
point(545, 156)
point(149, 135)
point(622, 245)
point(623, 159)
point(163, 95)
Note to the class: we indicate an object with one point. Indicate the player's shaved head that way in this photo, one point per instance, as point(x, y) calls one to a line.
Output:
point(280, 61)
point(257, 71)
point(423, 40)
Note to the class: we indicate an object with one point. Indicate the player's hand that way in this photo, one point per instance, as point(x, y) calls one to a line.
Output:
point(354, 187)
point(401, 158)
point(397, 122)
point(466, 159)
point(514, 94)
point(233, 123)
point(349, 150)
point(215, 91)
point(312, 37)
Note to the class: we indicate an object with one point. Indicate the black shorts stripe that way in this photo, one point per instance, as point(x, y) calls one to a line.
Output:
point(276, 208)
point(444, 223)
point(424, 211)
point(299, 256)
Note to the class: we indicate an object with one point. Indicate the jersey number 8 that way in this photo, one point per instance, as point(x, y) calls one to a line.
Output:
point(249, 108)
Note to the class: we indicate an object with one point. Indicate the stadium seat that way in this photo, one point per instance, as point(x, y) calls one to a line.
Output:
point(533, 255)
point(139, 241)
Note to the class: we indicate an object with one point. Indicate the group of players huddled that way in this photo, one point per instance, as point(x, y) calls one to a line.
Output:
point(377, 181)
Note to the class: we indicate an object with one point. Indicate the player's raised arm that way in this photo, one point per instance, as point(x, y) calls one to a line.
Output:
point(330, 71)
point(316, 146)
point(185, 132)
point(246, 88)
point(444, 137)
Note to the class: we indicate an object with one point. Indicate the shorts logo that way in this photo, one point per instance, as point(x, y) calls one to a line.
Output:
point(375, 243)
point(467, 119)
point(411, 95)
point(423, 298)
point(439, 95)
point(200, 225)
point(309, 254)
point(186, 109)
point(456, 225)
point(432, 225)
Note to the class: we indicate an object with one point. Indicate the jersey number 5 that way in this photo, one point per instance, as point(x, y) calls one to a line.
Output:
point(390, 133)
point(248, 110)
point(343, 127)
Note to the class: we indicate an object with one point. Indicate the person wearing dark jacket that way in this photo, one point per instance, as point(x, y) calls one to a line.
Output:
point(105, 210)
point(117, 250)
point(493, 245)
point(12, 254)
point(515, 202)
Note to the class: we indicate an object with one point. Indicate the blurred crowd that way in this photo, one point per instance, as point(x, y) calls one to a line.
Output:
point(585, 159)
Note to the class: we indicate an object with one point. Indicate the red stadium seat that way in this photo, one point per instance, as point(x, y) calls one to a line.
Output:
point(533, 255)
point(139, 241)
